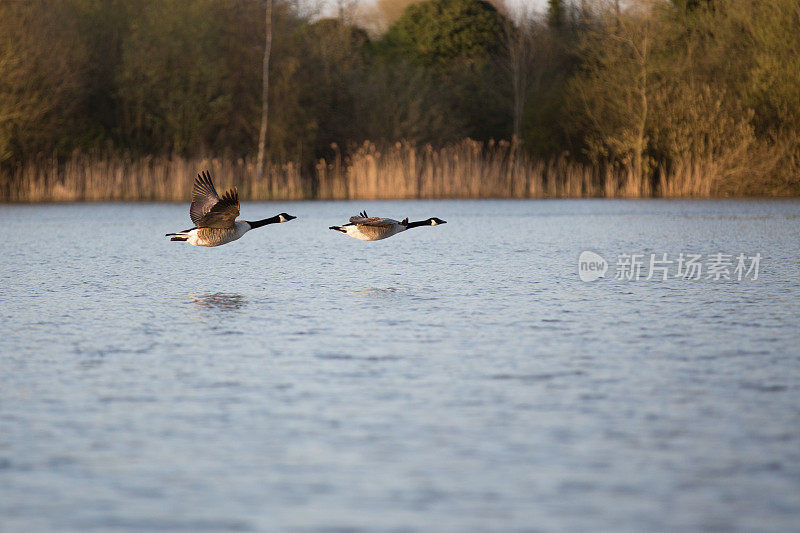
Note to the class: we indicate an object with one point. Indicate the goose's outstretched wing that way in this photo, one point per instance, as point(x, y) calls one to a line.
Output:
point(208, 210)
point(363, 220)
point(372, 221)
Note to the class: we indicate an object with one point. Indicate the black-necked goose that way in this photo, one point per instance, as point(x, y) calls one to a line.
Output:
point(367, 228)
point(215, 218)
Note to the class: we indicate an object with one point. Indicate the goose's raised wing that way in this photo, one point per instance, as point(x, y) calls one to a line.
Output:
point(208, 210)
point(204, 197)
point(359, 217)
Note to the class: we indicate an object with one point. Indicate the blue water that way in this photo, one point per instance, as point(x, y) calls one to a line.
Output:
point(451, 378)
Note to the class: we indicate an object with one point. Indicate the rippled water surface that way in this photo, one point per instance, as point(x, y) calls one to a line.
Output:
point(455, 378)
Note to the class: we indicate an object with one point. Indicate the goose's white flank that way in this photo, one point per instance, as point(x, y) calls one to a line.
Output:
point(214, 217)
point(367, 228)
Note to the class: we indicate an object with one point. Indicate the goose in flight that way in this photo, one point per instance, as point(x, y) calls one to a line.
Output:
point(367, 228)
point(214, 218)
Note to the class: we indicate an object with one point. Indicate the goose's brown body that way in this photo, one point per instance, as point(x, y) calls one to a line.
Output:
point(366, 228)
point(217, 236)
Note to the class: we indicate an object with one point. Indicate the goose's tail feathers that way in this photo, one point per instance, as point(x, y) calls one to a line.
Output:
point(183, 236)
point(338, 228)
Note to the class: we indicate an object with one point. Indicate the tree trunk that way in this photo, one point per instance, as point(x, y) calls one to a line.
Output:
point(517, 81)
point(640, 130)
point(519, 43)
point(262, 136)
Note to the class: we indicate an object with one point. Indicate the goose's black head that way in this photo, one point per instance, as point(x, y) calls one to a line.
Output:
point(429, 222)
point(283, 217)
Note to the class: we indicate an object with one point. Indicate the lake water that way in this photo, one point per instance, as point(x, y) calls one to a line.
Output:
point(451, 378)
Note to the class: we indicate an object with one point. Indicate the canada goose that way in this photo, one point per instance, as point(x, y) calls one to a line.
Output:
point(215, 218)
point(374, 229)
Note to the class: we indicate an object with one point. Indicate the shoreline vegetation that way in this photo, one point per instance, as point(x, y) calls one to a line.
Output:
point(129, 99)
point(465, 170)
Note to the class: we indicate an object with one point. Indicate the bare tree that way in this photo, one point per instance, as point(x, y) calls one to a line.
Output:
point(262, 136)
point(520, 46)
point(620, 74)
point(346, 11)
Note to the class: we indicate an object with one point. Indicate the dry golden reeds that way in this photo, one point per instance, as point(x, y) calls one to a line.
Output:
point(468, 169)
point(85, 177)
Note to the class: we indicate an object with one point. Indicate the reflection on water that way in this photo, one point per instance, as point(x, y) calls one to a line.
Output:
point(219, 300)
point(374, 292)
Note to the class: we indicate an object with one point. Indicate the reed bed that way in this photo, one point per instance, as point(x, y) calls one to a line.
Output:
point(468, 169)
point(86, 177)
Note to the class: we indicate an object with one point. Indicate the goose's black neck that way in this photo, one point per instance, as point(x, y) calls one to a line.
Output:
point(258, 223)
point(419, 223)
